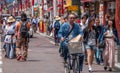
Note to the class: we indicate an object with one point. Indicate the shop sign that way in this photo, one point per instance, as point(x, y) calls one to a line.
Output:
point(68, 2)
point(74, 8)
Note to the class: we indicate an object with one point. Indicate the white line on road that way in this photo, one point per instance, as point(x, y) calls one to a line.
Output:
point(0, 56)
point(52, 42)
point(1, 62)
point(29, 50)
point(0, 70)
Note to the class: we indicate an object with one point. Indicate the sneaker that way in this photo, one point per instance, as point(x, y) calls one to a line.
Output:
point(105, 67)
point(90, 70)
point(110, 69)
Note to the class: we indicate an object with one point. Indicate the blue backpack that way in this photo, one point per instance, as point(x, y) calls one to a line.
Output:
point(57, 25)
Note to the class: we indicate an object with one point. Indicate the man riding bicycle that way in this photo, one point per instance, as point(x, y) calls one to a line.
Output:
point(68, 31)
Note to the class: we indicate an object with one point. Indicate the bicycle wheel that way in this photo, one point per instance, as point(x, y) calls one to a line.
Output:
point(76, 68)
point(67, 66)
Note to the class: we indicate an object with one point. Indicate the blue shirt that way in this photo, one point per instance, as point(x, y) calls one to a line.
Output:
point(65, 29)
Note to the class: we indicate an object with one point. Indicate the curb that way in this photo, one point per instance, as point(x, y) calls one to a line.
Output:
point(44, 34)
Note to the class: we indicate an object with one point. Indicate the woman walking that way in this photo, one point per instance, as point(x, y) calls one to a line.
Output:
point(109, 52)
point(9, 34)
point(90, 41)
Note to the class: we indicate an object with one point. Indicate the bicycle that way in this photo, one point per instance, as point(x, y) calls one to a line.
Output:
point(73, 61)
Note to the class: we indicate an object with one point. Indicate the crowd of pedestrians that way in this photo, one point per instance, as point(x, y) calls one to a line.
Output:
point(16, 36)
point(99, 40)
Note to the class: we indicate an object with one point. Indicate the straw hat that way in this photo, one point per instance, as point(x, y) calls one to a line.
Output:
point(57, 18)
point(10, 19)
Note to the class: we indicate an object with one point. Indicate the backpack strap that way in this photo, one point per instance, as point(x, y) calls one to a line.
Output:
point(69, 32)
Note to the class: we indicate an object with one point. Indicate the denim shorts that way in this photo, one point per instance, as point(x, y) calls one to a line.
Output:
point(93, 47)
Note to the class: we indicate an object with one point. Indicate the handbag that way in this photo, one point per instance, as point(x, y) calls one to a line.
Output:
point(102, 44)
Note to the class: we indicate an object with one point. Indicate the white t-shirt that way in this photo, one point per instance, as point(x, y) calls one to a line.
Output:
point(10, 28)
point(109, 33)
point(82, 26)
point(7, 39)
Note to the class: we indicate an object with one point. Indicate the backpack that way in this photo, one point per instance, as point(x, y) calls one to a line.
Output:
point(57, 25)
point(24, 30)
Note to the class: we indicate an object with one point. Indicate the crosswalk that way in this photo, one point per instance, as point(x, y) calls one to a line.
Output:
point(0, 56)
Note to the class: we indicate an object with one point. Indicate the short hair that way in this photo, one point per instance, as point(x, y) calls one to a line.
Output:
point(84, 17)
point(72, 14)
point(23, 17)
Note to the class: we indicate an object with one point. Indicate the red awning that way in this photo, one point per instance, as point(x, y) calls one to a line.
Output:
point(86, 0)
point(50, 8)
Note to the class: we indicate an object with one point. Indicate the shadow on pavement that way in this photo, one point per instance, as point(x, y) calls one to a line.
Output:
point(106, 71)
point(33, 60)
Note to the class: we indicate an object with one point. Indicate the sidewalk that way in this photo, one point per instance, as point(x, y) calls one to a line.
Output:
point(117, 65)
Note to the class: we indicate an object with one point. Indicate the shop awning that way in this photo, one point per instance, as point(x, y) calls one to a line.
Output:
point(86, 0)
point(49, 9)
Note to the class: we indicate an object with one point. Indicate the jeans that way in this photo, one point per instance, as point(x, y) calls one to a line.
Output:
point(10, 50)
point(81, 60)
point(99, 56)
point(7, 49)
point(64, 49)
point(56, 36)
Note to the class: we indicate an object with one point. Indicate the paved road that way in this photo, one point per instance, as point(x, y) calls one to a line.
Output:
point(0, 56)
point(43, 58)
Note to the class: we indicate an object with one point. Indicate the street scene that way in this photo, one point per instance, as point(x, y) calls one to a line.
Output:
point(59, 36)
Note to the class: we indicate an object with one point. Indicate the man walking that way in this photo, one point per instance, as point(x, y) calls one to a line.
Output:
point(22, 29)
point(56, 29)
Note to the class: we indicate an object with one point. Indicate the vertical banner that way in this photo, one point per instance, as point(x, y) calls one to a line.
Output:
point(21, 4)
point(0, 9)
point(32, 8)
point(101, 13)
point(117, 16)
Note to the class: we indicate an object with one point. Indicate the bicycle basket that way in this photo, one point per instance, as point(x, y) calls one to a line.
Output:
point(75, 47)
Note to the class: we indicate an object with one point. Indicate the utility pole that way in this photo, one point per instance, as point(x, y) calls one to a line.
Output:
point(54, 8)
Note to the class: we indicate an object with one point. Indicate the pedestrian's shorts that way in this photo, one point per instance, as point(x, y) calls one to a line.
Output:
point(92, 47)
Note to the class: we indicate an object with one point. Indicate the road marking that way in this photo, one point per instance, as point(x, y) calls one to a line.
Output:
point(29, 50)
point(0, 70)
point(0, 56)
point(1, 62)
point(52, 42)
